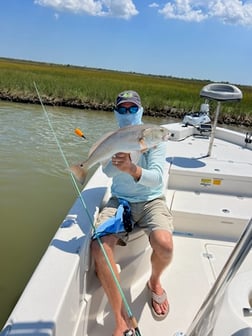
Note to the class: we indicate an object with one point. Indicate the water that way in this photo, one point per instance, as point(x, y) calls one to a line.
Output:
point(36, 191)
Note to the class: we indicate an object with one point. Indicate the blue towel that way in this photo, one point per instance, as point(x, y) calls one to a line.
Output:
point(120, 222)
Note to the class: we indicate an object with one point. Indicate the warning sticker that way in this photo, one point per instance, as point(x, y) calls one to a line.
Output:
point(217, 181)
point(208, 182)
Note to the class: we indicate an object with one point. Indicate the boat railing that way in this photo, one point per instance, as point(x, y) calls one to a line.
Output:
point(205, 320)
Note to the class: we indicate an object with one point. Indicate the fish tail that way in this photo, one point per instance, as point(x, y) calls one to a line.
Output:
point(79, 171)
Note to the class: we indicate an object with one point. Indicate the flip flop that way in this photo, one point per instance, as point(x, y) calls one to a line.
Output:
point(129, 332)
point(159, 299)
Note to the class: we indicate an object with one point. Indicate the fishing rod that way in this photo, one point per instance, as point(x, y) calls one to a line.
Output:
point(80, 133)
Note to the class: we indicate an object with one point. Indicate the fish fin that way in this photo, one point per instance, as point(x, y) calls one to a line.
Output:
point(143, 146)
point(79, 171)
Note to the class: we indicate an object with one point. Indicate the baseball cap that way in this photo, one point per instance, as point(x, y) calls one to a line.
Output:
point(128, 96)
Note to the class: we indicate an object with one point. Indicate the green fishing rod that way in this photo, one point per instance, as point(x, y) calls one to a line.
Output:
point(127, 307)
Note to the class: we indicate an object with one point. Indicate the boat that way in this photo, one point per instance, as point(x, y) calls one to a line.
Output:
point(208, 188)
point(199, 118)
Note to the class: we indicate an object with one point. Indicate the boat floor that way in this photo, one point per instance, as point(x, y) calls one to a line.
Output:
point(195, 267)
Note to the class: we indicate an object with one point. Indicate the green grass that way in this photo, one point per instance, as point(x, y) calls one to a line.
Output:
point(88, 85)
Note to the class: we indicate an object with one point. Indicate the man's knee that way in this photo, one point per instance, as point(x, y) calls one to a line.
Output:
point(162, 243)
point(108, 243)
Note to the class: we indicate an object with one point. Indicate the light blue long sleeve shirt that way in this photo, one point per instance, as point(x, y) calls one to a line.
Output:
point(150, 184)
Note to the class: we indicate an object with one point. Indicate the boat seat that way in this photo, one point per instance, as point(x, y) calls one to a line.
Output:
point(209, 215)
point(221, 92)
point(179, 131)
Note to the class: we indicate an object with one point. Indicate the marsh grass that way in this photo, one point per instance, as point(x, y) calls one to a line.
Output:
point(101, 86)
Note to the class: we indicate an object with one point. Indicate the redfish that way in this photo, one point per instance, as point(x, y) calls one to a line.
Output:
point(127, 139)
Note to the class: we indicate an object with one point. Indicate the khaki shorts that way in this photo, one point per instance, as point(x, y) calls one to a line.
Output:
point(150, 215)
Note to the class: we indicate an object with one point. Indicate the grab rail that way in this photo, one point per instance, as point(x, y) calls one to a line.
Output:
point(204, 321)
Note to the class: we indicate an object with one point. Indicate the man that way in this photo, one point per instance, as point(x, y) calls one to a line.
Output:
point(138, 181)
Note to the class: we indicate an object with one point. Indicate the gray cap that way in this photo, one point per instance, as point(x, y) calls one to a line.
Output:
point(128, 96)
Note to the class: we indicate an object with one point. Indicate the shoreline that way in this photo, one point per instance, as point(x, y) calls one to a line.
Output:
point(164, 112)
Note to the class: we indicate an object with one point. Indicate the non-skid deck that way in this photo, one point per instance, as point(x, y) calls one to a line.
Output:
point(227, 171)
point(209, 196)
point(194, 269)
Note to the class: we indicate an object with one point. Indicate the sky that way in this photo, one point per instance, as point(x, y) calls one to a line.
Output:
point(200, 39)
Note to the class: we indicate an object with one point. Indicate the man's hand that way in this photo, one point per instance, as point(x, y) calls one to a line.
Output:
point(122, 161)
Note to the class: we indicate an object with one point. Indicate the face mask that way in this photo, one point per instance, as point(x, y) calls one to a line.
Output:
point(129, 118)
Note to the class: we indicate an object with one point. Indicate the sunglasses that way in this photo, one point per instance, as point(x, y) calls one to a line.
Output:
point(124, 110)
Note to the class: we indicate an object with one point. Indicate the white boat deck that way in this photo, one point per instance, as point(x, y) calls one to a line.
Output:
point(211, 201)
point(195, 267)
point(210, 196)
point(227, 165)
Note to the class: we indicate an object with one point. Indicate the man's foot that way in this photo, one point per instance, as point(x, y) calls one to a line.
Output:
point(159, 302)
point(128, 332)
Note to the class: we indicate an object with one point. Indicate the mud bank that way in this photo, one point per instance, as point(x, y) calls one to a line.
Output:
point(172, 112)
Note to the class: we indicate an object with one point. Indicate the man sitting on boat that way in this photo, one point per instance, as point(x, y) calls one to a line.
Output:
point(137, 189)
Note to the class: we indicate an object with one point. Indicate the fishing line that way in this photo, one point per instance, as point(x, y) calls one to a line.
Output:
point(127, 307)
